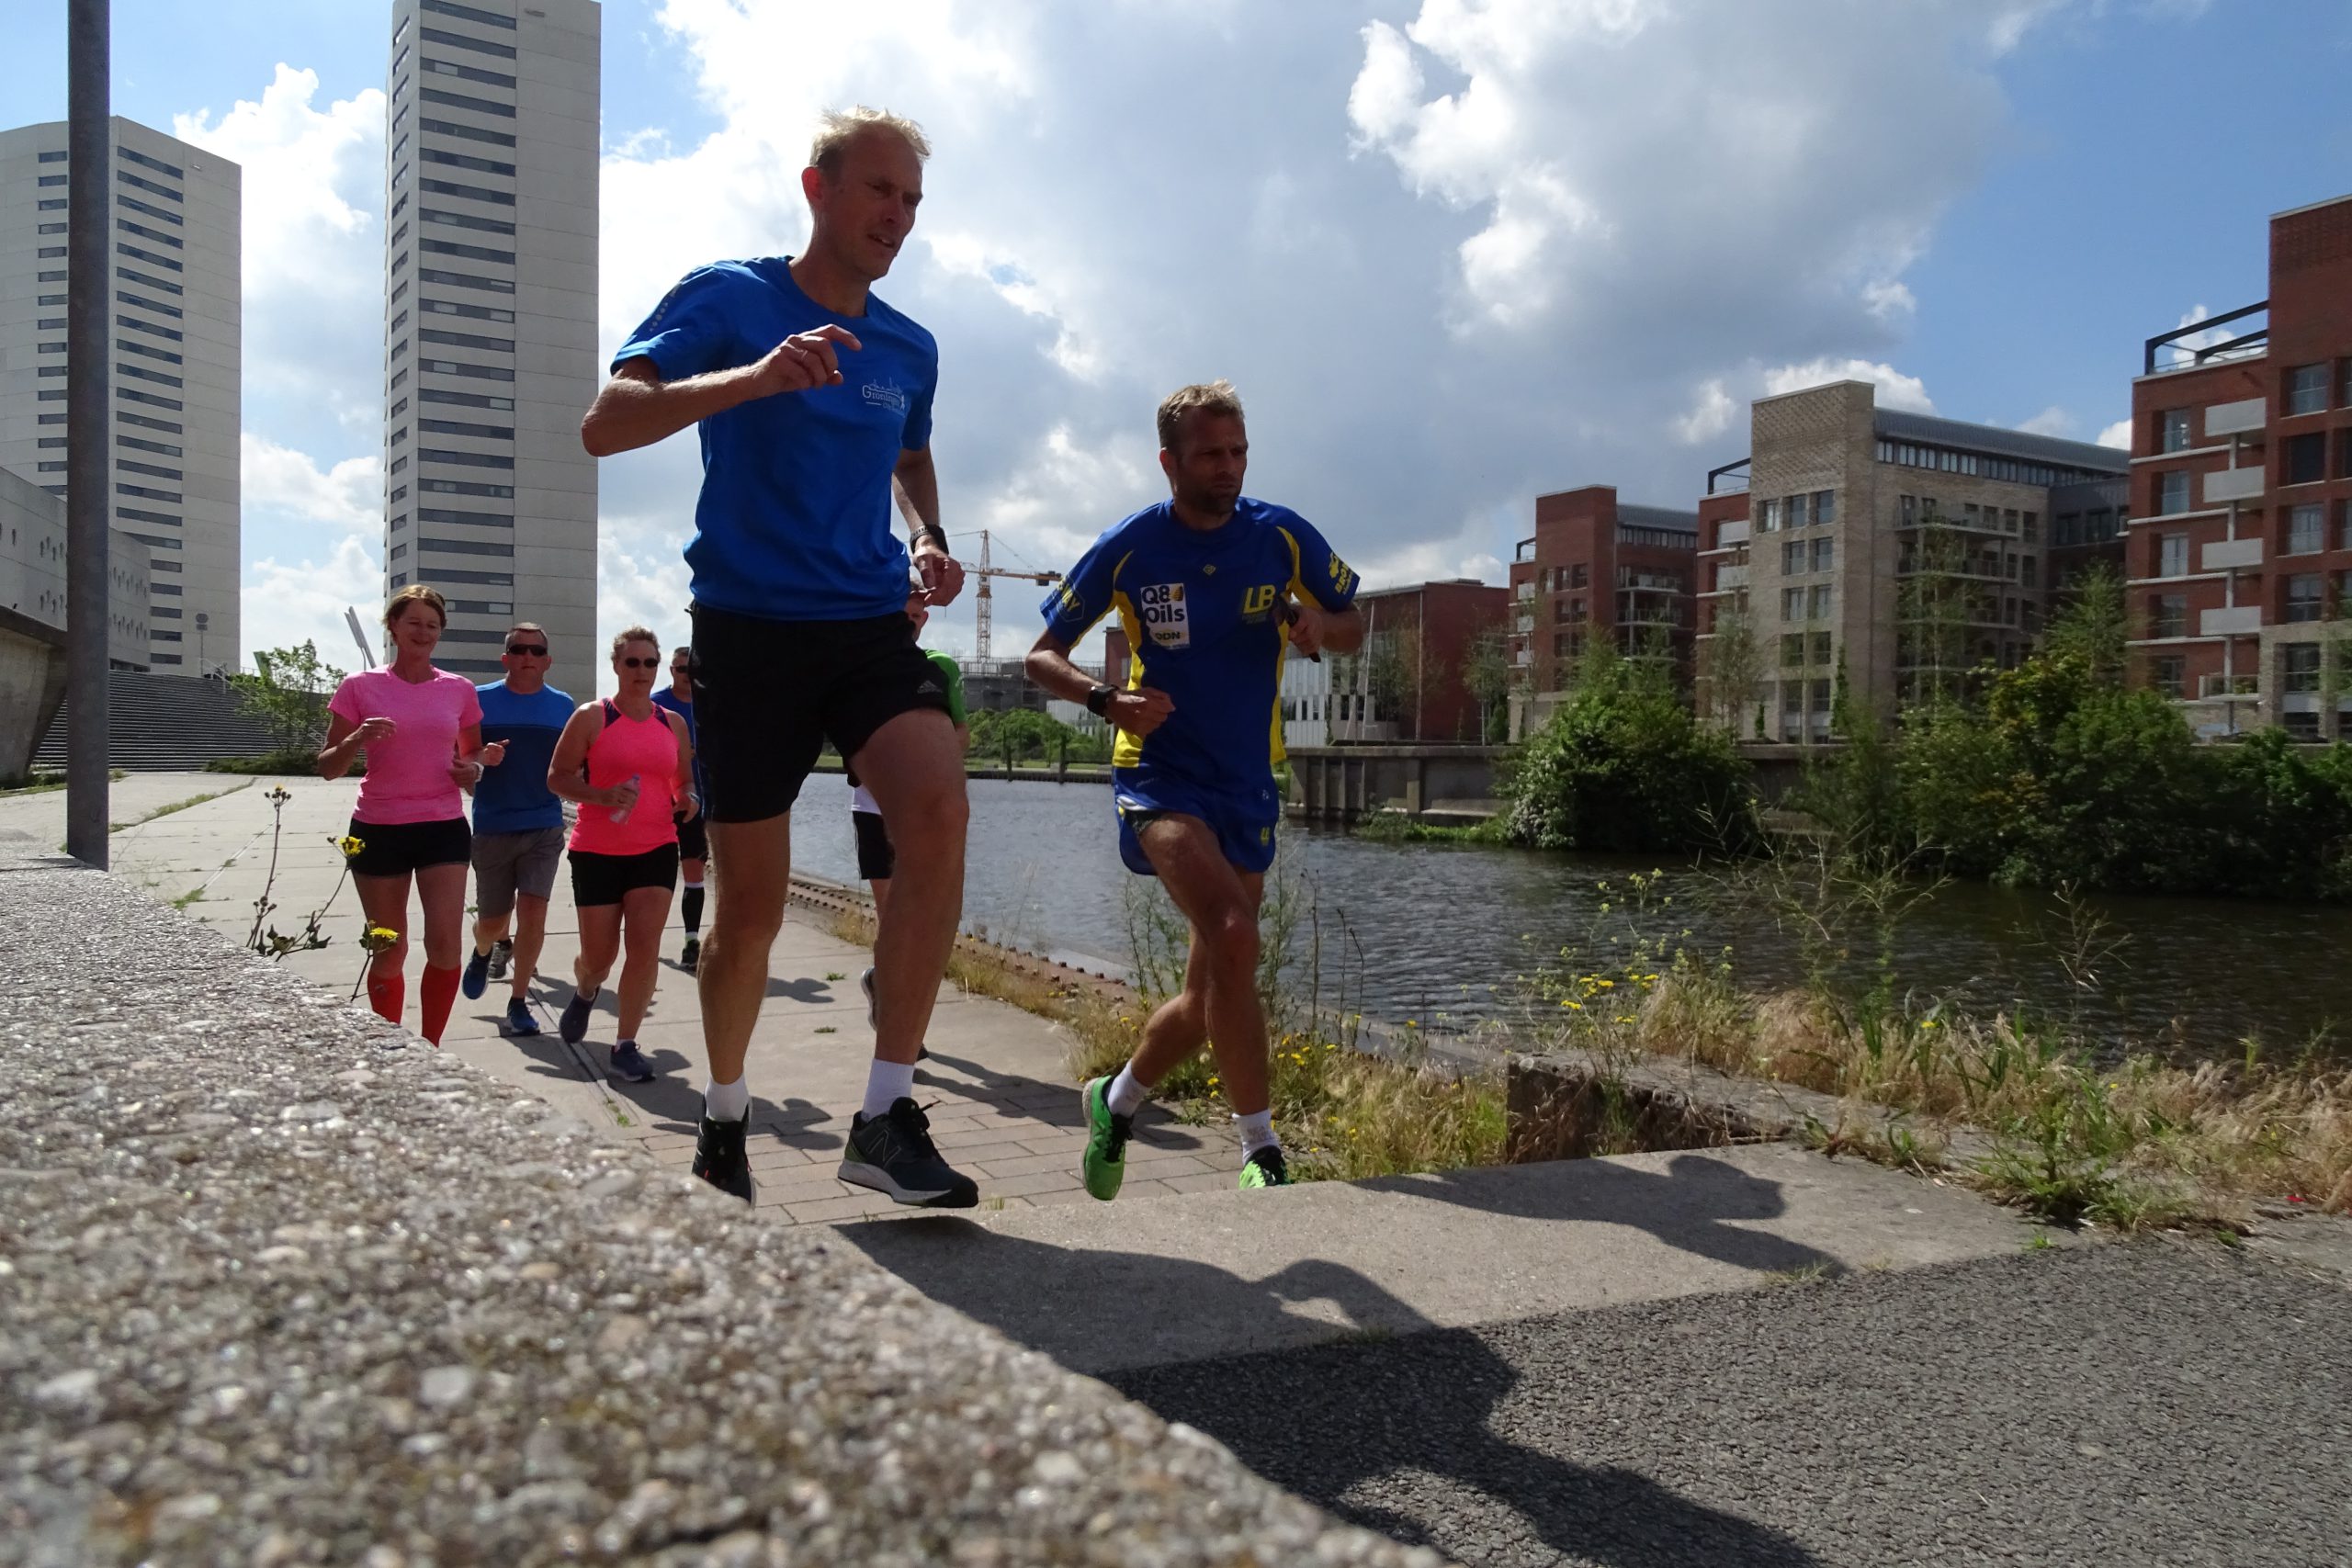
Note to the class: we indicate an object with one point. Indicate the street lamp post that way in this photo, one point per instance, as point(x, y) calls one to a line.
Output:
point(202, 621)
point(89, 137)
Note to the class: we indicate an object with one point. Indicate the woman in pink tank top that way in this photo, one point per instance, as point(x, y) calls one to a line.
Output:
point(629, 767)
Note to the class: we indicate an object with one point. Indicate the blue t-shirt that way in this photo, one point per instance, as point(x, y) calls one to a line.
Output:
point(793, 523)
point(684, 708)
point(513, 797)
point(1202, 614)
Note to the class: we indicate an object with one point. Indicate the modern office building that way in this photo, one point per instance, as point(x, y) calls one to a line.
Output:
point(490, 322)
point(1907, 551)
point(173, 290)
point(1594, 568)
point(2240, 544)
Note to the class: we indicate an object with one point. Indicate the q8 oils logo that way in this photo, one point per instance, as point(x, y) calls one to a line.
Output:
point(1166, 617)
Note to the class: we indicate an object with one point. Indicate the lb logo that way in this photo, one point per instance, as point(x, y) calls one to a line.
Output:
point(1167, 618)
point(1257, 602)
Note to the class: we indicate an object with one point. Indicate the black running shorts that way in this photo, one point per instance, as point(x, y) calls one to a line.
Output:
point(396, 849)
point(605, 879)
point(768, 694)
point(875, 859)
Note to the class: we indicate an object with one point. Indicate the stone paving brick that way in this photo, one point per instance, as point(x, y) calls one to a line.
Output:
point(819, 1211)
point(1028, 1186)
point(1028, 1164)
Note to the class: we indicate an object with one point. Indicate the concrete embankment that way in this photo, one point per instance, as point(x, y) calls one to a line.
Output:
point(279, 1284)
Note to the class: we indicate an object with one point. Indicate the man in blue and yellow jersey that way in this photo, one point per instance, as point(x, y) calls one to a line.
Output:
point(1211, 586)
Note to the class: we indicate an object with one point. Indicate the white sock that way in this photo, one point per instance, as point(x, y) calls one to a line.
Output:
point(1257, 1133)
point(887, 1084)
point(726, 1101)
point(1125, 1096)
point(586, 998)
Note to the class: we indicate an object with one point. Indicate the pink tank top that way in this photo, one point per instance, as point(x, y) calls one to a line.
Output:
point(648, 749)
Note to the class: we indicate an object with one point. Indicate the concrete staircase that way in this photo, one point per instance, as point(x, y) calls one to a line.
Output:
point(163, 724)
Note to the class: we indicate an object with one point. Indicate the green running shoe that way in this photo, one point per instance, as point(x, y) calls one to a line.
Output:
point(1104, 1164)
point(1264, 1168)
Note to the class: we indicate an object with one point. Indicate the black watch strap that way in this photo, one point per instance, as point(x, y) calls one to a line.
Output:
point(935, 533)
point(1098, 700)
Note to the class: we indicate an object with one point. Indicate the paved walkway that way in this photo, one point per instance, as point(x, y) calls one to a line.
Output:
point(1005, 1109)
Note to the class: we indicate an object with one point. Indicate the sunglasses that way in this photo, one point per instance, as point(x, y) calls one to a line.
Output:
point(641, 664)
point(527, 649)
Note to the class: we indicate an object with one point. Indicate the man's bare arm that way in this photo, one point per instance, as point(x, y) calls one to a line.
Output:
point(638, 408)
point(915, 485)
point(1139, 712)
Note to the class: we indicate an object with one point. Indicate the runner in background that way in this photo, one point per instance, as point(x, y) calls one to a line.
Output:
point(694, 843)
point(518, 824)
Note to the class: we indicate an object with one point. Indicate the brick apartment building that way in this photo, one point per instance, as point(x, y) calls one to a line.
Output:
point(2240, 548)
point(1595, 568)
point(1429, 631)
point(1906, 548)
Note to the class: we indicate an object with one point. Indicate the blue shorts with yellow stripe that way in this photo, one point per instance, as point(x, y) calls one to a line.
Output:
point(1242, 817)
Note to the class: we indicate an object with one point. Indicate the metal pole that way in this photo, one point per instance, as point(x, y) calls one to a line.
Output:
point(90, 164)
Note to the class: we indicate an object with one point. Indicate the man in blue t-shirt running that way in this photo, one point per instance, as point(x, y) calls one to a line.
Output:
point(518, 823)
point(1209, 584)
point(811, 396)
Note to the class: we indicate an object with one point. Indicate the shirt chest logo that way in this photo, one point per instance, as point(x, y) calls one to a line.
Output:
point(884, 394)
point(1258, 603)
point(1167, 618)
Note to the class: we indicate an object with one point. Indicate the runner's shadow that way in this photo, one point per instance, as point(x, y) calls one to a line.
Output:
point(672, 1103)
point(1354, 1425)
point(1688, 1206)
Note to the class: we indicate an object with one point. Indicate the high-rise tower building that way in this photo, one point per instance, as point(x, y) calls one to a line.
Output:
point(490, 322)
point(173, 338)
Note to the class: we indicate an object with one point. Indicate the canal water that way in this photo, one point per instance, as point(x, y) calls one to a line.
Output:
point(1443, 934)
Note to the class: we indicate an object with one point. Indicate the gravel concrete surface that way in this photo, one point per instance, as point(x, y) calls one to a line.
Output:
point(281, 1285)
point(2137, 1403)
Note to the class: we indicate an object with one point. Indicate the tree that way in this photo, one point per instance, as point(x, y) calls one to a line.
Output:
point(289, 695)
point(1486, 675)
point(2090, 623)
point(1731, 667)
point(1934, 604)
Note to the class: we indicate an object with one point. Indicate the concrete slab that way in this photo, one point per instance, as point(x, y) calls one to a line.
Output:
point(1106, 1287)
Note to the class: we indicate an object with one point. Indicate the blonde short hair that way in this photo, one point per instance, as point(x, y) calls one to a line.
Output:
point(837, 128)
point(622, 639)
point(1203, 397)
point(415, 593)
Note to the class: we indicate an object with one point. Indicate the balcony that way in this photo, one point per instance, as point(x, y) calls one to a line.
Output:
point(1731, 533)
point(2225, 485)
point(2233, 418)
point(1731, 577)
point(2241, 620)
point(1524, 657)
point(2232, 554)
point(2229, 689)
point(1526, 624)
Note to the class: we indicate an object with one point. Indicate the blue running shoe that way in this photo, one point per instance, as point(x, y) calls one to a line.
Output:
point(521, 1023)
point(476, 978)
point(572, 1027)
point(630, 1064)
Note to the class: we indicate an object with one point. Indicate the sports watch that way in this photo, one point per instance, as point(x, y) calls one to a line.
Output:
point(1098, 700)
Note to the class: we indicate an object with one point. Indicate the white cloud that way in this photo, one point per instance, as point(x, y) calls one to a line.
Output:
point(2052, 420)
point(1895, 389)
point(286, 604)
point(1710, 416)
point(642, 587)
point(2118, 436)
point(278, 480)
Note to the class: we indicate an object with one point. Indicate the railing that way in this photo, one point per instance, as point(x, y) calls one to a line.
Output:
point(2230, 688)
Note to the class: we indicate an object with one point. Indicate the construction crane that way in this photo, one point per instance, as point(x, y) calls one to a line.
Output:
point(984, 572)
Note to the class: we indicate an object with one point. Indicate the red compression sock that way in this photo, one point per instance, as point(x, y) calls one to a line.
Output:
point(388, 993)
point(437, 992)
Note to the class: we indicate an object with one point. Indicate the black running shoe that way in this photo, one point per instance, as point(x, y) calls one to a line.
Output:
point(502, 953)
point(1264, 1168)
point(718, 1157)
point(572, 1027)
point(894, 1154)
point(476, 979)
point(689, 956)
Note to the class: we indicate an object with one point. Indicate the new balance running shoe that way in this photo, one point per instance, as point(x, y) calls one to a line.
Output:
point(719, 1159)
point(1264, 1168)
point(630, 1064)
point(502, 953)
point(1103, 1166)
point(574, 1025)
point(894, 1154)
point(476, 979)
point(689, 956)
point(521, 1023)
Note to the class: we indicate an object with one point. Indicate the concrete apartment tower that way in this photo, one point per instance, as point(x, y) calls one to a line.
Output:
point(174, 337)
point(490, 322)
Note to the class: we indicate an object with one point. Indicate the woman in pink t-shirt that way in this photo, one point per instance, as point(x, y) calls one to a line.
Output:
point(421, 729)
point(630, 767)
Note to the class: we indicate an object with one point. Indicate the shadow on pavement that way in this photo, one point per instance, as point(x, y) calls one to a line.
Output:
point(1332, 1422)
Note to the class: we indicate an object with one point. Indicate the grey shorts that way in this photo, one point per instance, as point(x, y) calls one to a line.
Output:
point(508, 863)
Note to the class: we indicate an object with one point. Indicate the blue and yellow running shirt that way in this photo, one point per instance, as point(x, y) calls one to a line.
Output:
point(1203, 612)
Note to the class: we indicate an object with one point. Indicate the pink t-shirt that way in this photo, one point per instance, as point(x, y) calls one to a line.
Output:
point(407, 775)
point(647, 750)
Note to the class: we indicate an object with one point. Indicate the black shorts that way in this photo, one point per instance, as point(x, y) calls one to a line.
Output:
point(768, 694)
point(875, 857)
point(396, 849)
point(604, 879)
point(694, 842)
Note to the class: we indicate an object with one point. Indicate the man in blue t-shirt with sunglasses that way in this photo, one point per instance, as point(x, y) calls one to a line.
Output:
point(810, 396)
point(1212, 586)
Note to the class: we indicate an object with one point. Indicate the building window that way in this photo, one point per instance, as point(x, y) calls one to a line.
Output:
point(2306, 459)
point(2169, 615)
point(2169, 675)
point(2304, 602)
point(1824, 553)
point(2172, 555)
point(1767, 517)
point(1821, 649)
point(1793, 557)
point(1792, 604)
point(2306, 530)
point(2026, 573)
point(2306, 388)
point(1792, 650)
point(1816, 604)
point(2172, 491)
point(1579, 575)
point(2298, 667)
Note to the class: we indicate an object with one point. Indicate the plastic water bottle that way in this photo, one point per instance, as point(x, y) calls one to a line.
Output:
point(620, 813)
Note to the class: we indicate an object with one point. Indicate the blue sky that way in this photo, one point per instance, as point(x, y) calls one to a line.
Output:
point(1455, 251)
